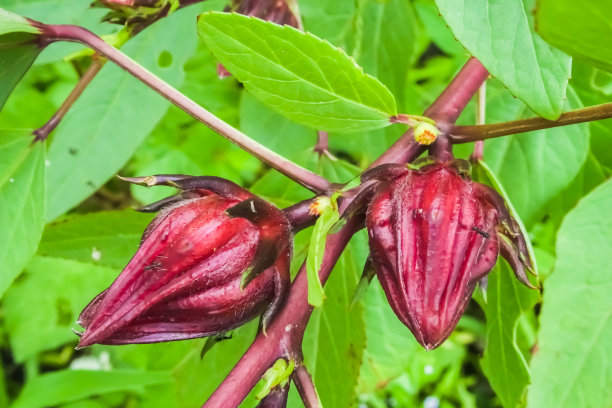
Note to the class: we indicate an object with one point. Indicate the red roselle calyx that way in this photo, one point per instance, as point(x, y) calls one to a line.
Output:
point(215, 257)
point(433, 234)
point(276, 11)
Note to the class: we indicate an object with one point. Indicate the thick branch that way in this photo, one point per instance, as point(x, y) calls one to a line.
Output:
point(297, 173)
point(286, 332)
point(466, 134)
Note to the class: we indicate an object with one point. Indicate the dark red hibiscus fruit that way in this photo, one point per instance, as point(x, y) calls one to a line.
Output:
point(215, 257)
point(433, 234)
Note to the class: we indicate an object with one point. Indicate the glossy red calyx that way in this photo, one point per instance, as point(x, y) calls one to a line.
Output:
point(433, 234)
point(215, 257)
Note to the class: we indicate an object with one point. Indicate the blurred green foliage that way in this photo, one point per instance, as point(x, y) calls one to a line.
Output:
point(360, 356)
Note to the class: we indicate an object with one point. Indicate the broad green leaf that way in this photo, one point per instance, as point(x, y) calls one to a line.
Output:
point(17, 50)
point(14, 62)
point(534, 167)
point(591, 175)
point(103, 238)
point(195, 379)
point(504, 362)
point(298, 74)
point(390, 347)
point(387, 44)
point(585, 30)
point(273, 130)
point(48, 301)
point(570, 368)
point(70, 385)
point(79, 256)
point(594, 86)
point(115, 113)
point(335, 337)
point(500, 34)
point(22, 200)
point(395, 365)
point(331, 20)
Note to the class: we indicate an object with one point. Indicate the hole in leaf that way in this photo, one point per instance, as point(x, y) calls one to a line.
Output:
point(165, 59)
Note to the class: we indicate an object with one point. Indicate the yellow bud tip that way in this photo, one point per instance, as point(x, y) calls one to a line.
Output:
point(320, 205)
point(426, 133)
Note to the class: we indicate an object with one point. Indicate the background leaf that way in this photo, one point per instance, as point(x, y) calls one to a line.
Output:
point(534, 167)
point(335, 337)
point(85, 254)
point(104, 238)
point(13, 27)
point(575, 327)
point(299, 75)
point(22, 199)
point(115, 113)
point(56, 388)
point(585, 32)
point(17, 50)
point(388, 41)
point(530, 68)
point(507, 353)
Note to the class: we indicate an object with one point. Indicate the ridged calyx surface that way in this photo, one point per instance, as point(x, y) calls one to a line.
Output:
point(433, 234)
point(215, 257)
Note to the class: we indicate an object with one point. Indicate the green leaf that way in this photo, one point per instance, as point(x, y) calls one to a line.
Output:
point(71, 385)
point(504, 362)
point(330, 20)
point(17, 51)
point(390, 347)
point(14, 62)
point(22, 199)
point(585, 30)
point(534, 167)
point(104, 238)
point(387, 44)
point(195, 379)
point(79, 256)
point(114, 114)
point(594, 86)
point(335, 337)
point(436, 27)
point(271, 129)
point(11, 23)
point(531, 69)
point(571, 364)
point(298, 74)
point(48, 301)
